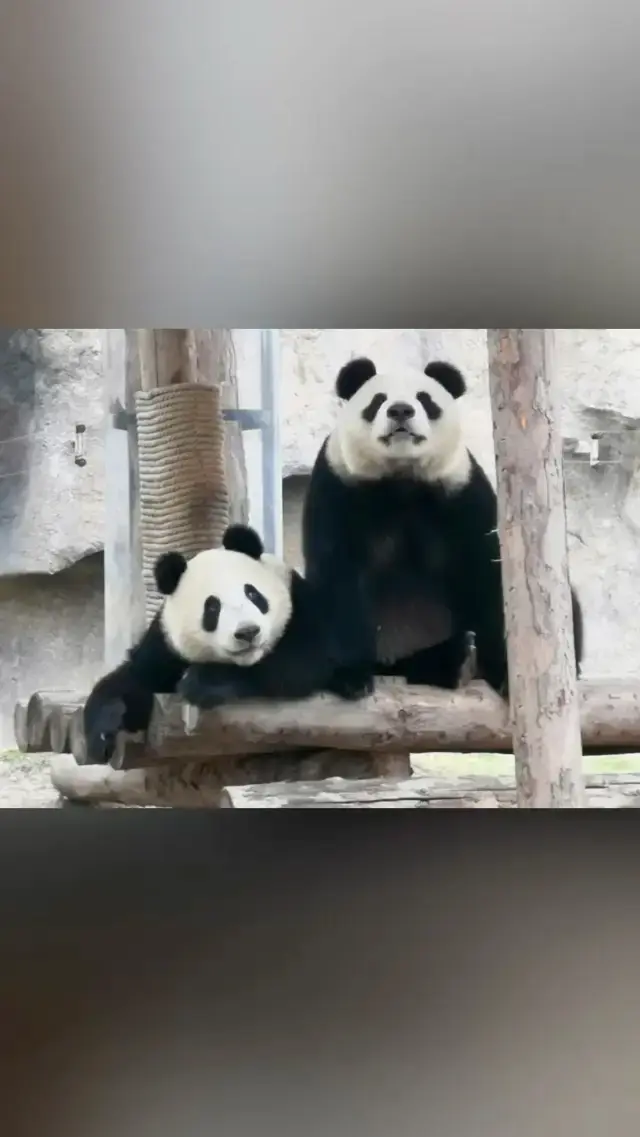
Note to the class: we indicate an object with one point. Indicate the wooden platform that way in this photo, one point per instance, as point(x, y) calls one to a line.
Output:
point(615, 791)
point(319, 753)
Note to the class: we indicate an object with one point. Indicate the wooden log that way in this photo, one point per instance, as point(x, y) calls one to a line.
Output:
point(200, 784)
point(396, 719)
point(20, 725)
point(533, 540)
point(60, 722)
point(421, 792)
point(77, 739)
point(37, 717)
point(212, 362)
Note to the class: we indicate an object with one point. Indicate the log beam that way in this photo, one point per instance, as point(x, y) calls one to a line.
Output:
point(533, 542)
point(424, 792)
point(395, 720)
point(33, 719)
point(202, 784)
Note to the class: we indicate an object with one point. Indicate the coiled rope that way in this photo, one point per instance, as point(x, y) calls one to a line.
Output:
point(184, 500)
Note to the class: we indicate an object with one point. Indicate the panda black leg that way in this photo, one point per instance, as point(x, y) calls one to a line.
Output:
point(102, 725)
point(438, 666)
point(351, 683)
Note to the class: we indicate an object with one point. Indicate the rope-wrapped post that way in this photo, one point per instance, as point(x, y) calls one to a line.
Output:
point(184, 501)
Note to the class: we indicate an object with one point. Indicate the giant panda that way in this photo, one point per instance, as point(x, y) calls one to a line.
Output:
point(400, 534)
point(235, 623)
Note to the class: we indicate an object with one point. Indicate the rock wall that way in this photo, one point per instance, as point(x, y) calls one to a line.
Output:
point(52, 512)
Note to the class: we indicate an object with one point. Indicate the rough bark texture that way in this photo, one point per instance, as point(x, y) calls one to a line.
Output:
point(393, 722)
point(211, 361)
point(424, 792)
point(198, 784)
point(60, 722)
point(533, 539)
point(20, 731)
point(33, 719)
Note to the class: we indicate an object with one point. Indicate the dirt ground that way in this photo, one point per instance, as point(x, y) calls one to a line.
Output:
point(25, 782)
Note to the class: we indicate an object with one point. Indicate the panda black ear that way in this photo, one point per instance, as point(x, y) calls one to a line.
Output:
point(243, 539)
point(168, 572)
point(448, 377)
point(352, 376)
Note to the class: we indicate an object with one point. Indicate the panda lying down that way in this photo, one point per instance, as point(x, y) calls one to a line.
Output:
point(235, 624)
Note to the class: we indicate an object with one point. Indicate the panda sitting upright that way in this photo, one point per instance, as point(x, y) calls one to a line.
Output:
point(400, 534)
point(235, 623)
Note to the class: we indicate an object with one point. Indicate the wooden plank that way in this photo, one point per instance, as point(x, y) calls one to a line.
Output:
point(533, 540)
point(124, 618)
point(197, 784)
point(425, 791)
point(397, 719)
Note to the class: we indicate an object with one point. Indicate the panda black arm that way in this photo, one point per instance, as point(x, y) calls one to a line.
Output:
point(334, 566)
point(122, 700)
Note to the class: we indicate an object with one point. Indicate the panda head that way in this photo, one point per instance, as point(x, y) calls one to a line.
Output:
point(404, 421)
point(226, 605)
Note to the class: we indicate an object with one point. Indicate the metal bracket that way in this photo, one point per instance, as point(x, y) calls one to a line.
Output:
point(247, 420)
point(79, 445)
point(122, 419)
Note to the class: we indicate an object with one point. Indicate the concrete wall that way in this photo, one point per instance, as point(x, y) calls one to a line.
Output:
point(51, 510)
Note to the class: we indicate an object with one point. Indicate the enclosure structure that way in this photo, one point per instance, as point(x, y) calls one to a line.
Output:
point(176, 475)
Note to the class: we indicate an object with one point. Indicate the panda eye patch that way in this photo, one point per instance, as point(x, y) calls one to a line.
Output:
point(211, 614)
point(260, 601)
point(432, 409)
point(370, 412)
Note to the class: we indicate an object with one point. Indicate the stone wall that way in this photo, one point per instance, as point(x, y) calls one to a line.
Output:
point(51, 510)
point(51, 513)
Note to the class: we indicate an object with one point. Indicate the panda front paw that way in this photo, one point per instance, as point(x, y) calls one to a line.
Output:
point(102, 733)
point(101, 748)
point(199, 692)
point(352, 684)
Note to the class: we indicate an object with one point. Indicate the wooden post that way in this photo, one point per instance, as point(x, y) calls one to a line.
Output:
point(212, 361)
point(124, 617)
point(531, 518)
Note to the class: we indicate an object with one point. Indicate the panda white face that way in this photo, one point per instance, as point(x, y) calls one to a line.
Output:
point(406, 422)
point(226, 606)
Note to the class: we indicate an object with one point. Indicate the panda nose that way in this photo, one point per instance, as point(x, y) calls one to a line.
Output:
point(247, 633)
point(400, 412)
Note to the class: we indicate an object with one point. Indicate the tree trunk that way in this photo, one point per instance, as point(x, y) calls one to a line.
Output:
point(537, 601)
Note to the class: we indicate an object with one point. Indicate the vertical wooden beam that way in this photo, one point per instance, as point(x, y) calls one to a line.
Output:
point(531, 517)
point(212, 361)
point(124, 617)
